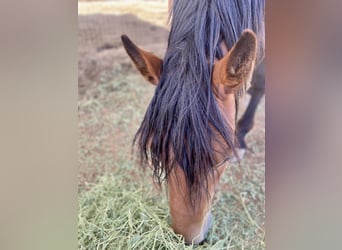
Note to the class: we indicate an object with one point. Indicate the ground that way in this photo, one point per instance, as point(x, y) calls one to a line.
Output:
point(112, 101)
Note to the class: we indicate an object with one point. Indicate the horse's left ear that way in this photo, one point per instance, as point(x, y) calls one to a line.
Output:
point(149, 65)
point(236, 67)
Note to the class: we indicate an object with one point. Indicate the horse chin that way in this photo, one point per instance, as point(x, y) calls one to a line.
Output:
point(207, 226)
point(202, 237)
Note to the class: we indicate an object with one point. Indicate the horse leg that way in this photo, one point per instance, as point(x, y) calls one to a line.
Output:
point(256, 91)
point(192, 223)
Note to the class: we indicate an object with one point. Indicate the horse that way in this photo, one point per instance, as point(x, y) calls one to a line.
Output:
point(188, 133)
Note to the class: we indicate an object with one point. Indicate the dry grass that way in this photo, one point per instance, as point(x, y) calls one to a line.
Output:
point(121, 212)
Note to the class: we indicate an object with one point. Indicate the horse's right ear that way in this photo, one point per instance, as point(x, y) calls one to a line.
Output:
point(235, 69)
point(149, 65)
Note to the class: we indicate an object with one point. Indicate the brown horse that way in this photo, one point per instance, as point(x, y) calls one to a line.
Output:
point(188, 132)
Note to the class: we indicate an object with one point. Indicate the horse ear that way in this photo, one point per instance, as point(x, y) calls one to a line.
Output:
point(149, 65)
point(236, 67)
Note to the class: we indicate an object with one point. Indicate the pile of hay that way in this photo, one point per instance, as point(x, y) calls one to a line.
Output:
point(122, 212)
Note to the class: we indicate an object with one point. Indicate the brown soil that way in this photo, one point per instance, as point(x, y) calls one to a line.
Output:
point(100, 47)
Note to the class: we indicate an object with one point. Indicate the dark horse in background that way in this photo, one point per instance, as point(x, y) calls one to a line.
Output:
point(189, 131)
point(246, 122)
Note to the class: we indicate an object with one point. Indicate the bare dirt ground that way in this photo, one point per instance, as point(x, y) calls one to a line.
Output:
point(100, 26)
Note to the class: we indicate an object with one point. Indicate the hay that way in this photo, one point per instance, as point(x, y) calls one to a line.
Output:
point(126, 212)
point(116, 214)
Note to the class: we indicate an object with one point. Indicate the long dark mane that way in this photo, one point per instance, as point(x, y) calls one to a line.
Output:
point(183, 122)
